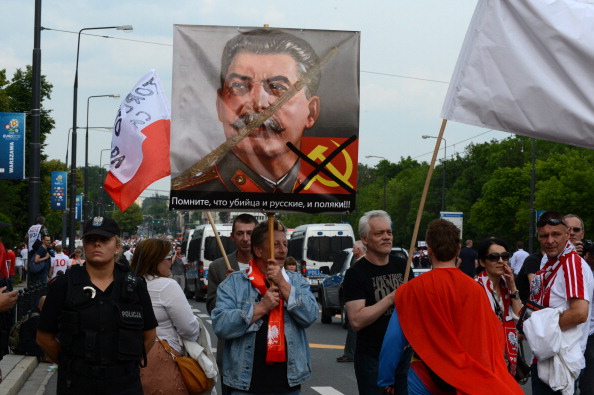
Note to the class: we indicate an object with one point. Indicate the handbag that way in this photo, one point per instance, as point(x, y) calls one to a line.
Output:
point(522, 370)
point(191, 372)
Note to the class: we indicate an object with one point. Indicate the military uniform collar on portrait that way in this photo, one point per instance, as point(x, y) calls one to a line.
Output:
point(231, 174)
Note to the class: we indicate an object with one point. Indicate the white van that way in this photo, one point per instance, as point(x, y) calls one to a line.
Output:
point(317, 245)
point(202, 250)
point(186, 238)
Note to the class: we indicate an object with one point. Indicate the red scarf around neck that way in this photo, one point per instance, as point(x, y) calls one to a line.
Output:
point(502, 312)
point(275, 349)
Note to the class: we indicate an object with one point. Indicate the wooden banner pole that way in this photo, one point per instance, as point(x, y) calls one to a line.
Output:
point(218, 238)
point(271, 230)
point(423, 198)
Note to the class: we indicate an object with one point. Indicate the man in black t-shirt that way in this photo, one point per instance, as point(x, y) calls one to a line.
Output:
point(467, 259)
point(526, 274)
point(369, 288)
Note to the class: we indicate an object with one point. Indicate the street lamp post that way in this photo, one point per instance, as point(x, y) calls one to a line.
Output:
point(85, 213)
point(101, 165)
point(443, 183)
point(381, 157)
point(73, 155)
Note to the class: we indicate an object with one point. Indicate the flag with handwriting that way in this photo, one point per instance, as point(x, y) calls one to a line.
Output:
point(526, 67)
point(140, 142)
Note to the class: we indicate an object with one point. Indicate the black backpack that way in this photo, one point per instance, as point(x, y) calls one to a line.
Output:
point(18, 343)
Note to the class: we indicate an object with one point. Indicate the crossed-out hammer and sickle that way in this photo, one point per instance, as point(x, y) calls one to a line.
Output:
point(318, 154)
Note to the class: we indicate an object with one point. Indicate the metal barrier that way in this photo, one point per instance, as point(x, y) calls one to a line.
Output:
point(28, 299)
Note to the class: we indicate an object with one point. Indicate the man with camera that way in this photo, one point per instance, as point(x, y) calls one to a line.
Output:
point(42, 258)
point(576, 232)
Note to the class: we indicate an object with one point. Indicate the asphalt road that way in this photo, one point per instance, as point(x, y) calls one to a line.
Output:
point(326, 342)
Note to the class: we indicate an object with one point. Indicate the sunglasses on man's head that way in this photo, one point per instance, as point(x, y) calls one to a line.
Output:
point(494, 257)
point(550, 221)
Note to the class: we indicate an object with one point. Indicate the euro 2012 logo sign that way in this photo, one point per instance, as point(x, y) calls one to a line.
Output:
point(12, 126)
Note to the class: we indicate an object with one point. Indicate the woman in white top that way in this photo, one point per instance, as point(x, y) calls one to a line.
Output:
point(152, 260)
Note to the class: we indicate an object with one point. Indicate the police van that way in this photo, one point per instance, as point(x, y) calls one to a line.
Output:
point(186, 238)
point(202, 250)
point(317, 245)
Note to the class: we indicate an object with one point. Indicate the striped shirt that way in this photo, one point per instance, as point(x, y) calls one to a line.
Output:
point(561, 280)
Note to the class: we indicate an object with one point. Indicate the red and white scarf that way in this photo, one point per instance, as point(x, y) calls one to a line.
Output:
point(540, 289)
point(275, 349)
point(502, 310)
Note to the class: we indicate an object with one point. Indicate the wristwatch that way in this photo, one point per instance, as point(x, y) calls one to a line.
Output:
point(515, 295)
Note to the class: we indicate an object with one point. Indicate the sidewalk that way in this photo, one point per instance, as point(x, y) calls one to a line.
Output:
point(21, 374)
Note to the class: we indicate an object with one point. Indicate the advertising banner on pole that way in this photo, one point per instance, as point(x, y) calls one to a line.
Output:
point(12, 146)
point(264, 119)
point(77, 213)
point(59, 187)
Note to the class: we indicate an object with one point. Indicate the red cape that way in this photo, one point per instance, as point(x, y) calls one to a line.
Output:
point(446, 317)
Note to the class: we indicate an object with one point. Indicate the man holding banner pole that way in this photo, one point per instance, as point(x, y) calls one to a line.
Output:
point(266, 348)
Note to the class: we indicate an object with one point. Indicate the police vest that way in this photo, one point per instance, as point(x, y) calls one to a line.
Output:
point(99, 329)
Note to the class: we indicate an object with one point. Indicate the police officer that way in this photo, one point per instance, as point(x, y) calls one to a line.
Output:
point(98, 323)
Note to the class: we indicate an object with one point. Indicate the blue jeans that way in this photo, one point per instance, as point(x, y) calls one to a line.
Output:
point(538, 386)
point(366, 371)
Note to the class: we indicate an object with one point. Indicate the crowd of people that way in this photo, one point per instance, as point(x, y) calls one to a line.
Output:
point(116, 319)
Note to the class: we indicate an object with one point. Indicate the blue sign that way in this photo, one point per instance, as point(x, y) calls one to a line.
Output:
point(12, 145)
point(58, 191)
point(77, 213)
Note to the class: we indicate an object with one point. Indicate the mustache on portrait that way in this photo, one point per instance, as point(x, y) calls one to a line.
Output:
point(248, 118)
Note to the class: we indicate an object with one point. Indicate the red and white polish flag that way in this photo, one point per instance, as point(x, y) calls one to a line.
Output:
point(140, 142)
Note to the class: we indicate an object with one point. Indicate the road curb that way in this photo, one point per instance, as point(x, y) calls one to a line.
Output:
point(18, 375)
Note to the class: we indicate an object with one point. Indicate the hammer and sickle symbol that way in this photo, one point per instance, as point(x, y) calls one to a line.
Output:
point(318, 154)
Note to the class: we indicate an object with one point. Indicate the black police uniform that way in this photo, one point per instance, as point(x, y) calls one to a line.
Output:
point(100, 333)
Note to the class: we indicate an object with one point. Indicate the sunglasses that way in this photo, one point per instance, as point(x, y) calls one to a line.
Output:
point(550, 221)
point(494, 257)
point(576, 230)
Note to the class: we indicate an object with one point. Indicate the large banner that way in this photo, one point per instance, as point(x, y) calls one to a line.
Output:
point(59, 190)
point(526, 68)
point(264, 119)
point(12, 146)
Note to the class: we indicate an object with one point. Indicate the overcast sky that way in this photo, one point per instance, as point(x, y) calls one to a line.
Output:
point(408, 52)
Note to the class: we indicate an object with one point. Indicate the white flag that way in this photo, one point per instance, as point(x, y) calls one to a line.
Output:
point(526, 67)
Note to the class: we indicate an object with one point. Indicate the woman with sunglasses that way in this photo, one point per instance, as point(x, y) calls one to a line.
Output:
point(497, 279)
point(152, 260)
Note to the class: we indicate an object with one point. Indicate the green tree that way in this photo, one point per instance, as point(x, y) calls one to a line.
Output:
point(130, 219)
point(15, 96)
point(503, 208)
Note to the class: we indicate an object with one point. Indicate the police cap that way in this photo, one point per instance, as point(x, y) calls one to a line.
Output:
point(101, 226)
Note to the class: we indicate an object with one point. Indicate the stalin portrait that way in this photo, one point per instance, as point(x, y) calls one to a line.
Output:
point(258, 67)
point(247, 112)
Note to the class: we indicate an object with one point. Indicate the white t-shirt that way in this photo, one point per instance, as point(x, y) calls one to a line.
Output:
point(60, 262)
point(173, 312)
point(517, 260)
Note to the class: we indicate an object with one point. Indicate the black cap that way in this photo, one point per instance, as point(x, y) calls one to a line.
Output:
point(101, 226)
